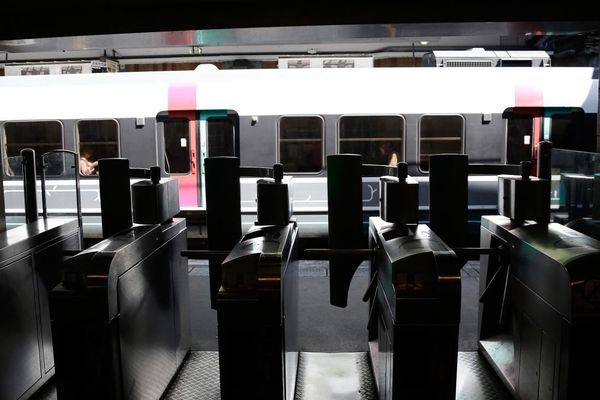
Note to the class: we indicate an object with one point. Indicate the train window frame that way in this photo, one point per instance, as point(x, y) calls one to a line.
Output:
point(5, 145)
point(78, 141)
point(418, 143)
point(404, 128)
point(322, 141)
point(162, 122)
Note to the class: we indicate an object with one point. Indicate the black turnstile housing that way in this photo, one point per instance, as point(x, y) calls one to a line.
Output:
point(415, 314)
point(539, 326)
point(31, 256)
point(120, 319)
point(257, 313)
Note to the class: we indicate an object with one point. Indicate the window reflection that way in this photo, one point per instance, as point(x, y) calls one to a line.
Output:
point(301, 143)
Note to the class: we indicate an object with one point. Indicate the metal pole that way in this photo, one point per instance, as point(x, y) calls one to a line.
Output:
point(43, 183)
point(2, 207)
point(78, 195)
point(598, 116)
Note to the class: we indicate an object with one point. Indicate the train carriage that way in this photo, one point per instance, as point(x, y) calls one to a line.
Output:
point(297, 117)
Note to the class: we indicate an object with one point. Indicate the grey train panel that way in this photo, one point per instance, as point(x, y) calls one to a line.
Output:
point(30, 260)
point(70, 134)
point(139, 144)
point(258, 143)
point(485, 142)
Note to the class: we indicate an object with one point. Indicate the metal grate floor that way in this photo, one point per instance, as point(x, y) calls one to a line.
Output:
point(198, 378)
point(476, 380)
point(343, 376)
point(339, 376)
point(322, 376)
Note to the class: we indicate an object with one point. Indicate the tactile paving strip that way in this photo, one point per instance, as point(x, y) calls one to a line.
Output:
point(198, 378)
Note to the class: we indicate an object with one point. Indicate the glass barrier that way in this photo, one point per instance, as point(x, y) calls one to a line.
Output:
point(14, 201)
point(573, 174)
point(60, 184)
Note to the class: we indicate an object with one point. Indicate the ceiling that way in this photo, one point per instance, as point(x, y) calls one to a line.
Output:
point(134, 31)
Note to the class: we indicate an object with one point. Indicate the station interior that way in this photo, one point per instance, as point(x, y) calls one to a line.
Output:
point(418, 293)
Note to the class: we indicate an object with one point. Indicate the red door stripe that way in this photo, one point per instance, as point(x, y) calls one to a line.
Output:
point(182, 104)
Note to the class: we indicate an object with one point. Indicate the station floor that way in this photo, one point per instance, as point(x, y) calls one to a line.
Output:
point(333, 361)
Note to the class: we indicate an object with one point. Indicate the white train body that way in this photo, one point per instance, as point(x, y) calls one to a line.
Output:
point(262, 110)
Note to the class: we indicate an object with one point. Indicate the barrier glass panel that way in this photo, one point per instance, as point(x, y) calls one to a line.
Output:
point(573, 175)
point(14, 200)
point(60, 184)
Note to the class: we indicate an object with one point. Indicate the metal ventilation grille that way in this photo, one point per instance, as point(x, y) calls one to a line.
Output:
point(469, 63)
point(323, 62)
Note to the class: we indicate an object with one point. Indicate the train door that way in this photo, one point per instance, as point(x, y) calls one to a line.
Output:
point(566, 127)
point(186, 138)
point(218, 135)
point(519, 133)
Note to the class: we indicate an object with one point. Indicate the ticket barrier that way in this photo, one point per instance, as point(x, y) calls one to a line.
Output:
point(415, 309)
point(257, 312)
point(120, 316)
point(30, 259)
point(253, 281)
point(415, 285)
point(540, 306)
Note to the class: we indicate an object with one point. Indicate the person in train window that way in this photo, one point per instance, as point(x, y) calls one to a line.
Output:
point(86, 165)
point(8, 171)
point(389, 154)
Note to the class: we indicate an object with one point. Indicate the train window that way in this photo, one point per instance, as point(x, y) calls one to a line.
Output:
point(439, 134)
point(177, 138)
point(572, 131)
point(41, 136)
point(379, 139)
point(221, 134)
point(566, 127)
point(519, 132)
point(301, 143)
point(97, 139)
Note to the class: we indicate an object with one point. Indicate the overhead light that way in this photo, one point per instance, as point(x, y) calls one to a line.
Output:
point(424, 42)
